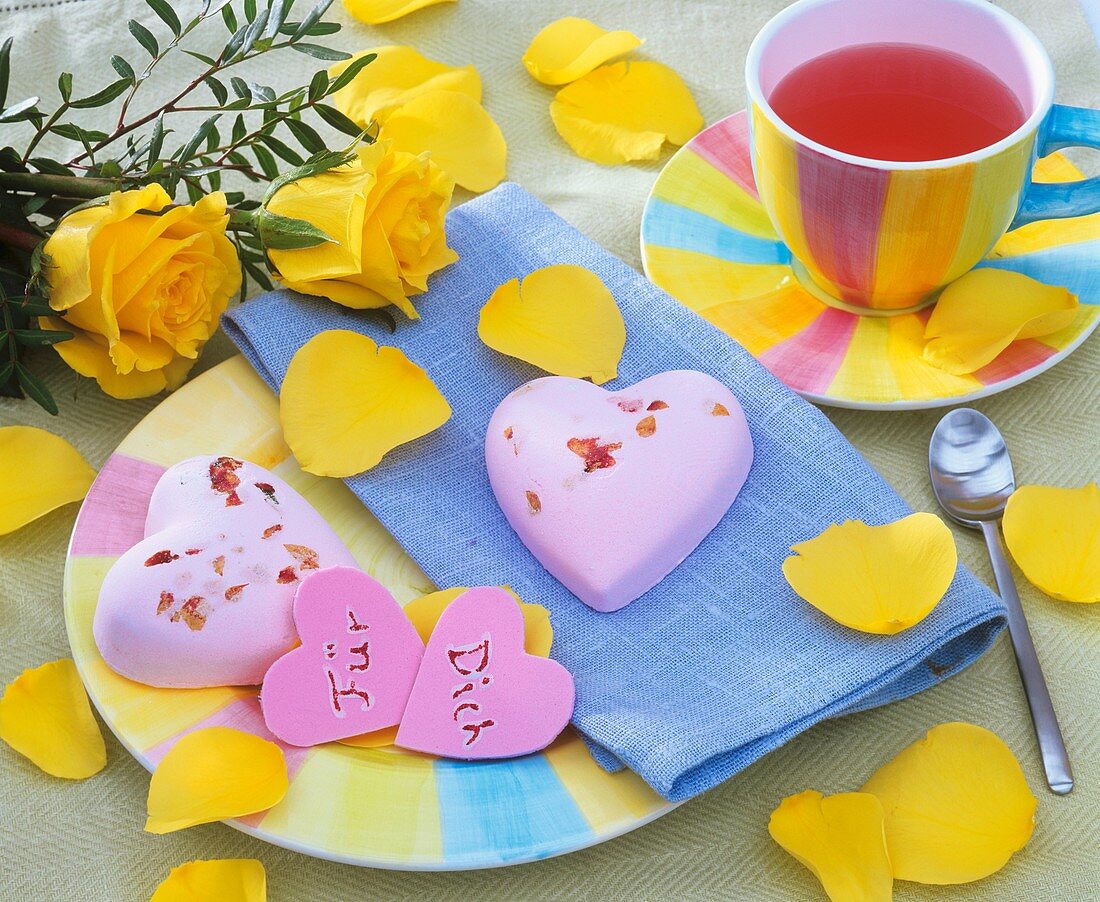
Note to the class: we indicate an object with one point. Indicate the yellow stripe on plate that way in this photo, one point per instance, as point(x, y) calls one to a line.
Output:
point(699, 280)
point(362, 803)
point(699, 186)
point(1086, 313)
point(765, 321)
point(248, 418)
point(144, 716)
point(607, 801)
point(917, 379)
point(865, 373)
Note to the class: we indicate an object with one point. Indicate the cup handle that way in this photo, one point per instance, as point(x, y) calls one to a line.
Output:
point(1065, 126)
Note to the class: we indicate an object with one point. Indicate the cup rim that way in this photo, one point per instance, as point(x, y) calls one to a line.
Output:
point(1007, 21)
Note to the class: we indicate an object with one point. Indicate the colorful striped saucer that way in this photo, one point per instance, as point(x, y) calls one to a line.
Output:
point(707, 241)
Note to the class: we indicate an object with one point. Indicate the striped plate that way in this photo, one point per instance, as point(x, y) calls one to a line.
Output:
point(707, 241)
point(379, 807)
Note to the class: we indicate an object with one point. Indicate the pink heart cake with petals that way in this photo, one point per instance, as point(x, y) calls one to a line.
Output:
point(355, 667)
point(205, 599)
point(478, 693)
point(610, 491)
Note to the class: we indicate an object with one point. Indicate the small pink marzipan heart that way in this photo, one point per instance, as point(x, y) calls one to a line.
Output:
point(478, 693)
point(355, 667)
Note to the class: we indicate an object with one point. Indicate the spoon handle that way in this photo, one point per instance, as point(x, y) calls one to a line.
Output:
point(1051, 745)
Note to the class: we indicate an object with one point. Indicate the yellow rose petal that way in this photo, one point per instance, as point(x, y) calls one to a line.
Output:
point(45, 715)
point(625, 111)
point(956, 805)
point(345, 402)
point(212, 774)
point(424, 612)
point(219, 880)
point(461, 136)
point(569, 48)
point(376, 12)
point(39, 472)
point(982, 313)
point(397, 75)
point(561, 318)
point(840, 839)
point(878, 579)
point(1054, 536)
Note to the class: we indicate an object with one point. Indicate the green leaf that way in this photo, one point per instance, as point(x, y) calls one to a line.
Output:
point(18, 111)
point(319, 52)
point(123, 68)
point(338, 120)
point(39, 338)
point(167, 15)
point(144, 37)
point(156, 139)
point(65, 85)
point(194, 192)
point(283, 233)
point(239, 130)
point(318, 30)
point(11, 161)
point(34, 306)
point(232, 198)
point(76, 133)
point(229, 17)
point(311, 19)
point(250, 9)
point(35, 204)
point(6, 371)
point(353, 68)
point(266, 94)
point(188, 150)
point(5, 69)
point(253, 33)
point(240, 88)
point(51, 167)
point(267, 162)
point(282, 150)
point(35, 389)
point(259, 275)
point(306, 135)
point(276, 15)
point(202, 57)
point(318, 85)
point(102, 97)
point(221, 94)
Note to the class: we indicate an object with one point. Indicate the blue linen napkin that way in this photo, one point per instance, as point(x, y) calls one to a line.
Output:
point(720, 662)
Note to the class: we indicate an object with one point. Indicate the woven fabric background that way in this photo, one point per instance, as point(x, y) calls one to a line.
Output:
point(62, 841)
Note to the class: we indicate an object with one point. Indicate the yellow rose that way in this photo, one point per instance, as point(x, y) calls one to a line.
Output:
point(384, 212)
point(143, 291)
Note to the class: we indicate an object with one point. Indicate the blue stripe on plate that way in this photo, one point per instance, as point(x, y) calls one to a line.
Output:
point(670, 225)
point(501, 810)
point(1076, 266)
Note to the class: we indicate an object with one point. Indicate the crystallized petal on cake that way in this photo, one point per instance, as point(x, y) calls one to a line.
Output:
point(205, 599)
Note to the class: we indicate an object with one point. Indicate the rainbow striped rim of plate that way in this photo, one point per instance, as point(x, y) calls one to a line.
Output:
point(707, 241)
point(380, 807)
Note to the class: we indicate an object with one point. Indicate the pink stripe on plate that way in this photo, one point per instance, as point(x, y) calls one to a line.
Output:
point(1013, 360)
point(245, 715)
point(725, 145)
point(112, 518)
point(808, 361)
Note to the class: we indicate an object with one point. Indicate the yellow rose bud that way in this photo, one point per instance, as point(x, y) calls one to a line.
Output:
point(385, 211)
point(143, 290)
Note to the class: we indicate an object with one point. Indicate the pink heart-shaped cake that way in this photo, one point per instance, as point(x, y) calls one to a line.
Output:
point(478, 693)
point(612, 490)
point(355, 667)
point(205, 599)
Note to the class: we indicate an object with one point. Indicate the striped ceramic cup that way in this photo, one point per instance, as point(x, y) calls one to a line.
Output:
point(879, 236)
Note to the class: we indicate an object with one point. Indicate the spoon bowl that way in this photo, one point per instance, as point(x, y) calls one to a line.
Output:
point(970, 467)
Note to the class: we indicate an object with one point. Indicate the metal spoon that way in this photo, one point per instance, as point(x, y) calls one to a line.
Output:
point(972, 478)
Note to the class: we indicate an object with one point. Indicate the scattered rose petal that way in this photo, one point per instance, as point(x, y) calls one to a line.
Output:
point(956, 805)
point(212, 774)
point(562, 319)
point(982, 313)
point(1054, 536)
point(224, 879)
point(376, 12)
point(569, 48)
point(840, 839)
point(625, 111)
point(345, 402)
point(45, 715)
point(878, 579)
point(397, 75)
point(461, 136)
point(425, 611)
point(40, 473)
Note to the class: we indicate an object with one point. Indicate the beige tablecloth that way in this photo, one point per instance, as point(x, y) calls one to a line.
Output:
point(61, 840)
